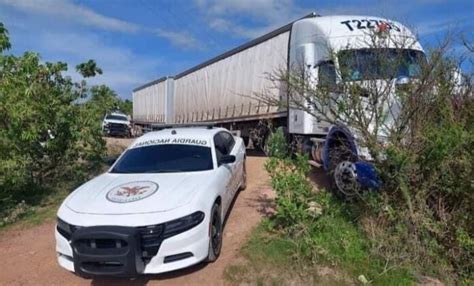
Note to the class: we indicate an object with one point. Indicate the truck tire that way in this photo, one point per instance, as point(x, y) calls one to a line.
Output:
point(342, 173)
point(215, 238)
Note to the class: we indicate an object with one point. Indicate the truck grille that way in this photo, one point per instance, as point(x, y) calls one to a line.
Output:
point(117, 126)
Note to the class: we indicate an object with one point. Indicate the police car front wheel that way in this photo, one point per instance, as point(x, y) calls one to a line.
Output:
point(215, 238)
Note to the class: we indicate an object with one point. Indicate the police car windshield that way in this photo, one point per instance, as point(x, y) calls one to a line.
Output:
point(116, 117)
point(382, 63)
point(165, 158)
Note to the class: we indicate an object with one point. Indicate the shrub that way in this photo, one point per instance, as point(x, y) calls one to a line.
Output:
point(276, 144)
point(45, 133)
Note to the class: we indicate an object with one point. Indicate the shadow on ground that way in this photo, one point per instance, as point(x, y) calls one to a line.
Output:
point(320, 179)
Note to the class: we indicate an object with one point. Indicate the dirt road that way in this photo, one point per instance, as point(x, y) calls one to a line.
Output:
point(27, 256)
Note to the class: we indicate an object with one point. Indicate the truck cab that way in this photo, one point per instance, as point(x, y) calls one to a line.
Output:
point(337, 52)
point(334, 49)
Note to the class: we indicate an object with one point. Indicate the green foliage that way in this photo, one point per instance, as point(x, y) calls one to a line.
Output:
point(44, 134)
point(4, 40)
point(426, 206)
point(316, 229)
point(277, 145)
point(295, 206)
point(126, 106)
point(103, 100)
point(88, 69)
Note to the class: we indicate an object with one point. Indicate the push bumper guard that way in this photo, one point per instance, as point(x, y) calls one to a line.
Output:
point(107, 251)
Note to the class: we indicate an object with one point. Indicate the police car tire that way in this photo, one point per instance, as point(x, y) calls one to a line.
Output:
point(216, 229)
point(243, 186)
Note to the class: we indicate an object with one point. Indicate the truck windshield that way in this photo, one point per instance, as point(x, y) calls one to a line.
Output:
point(166, 158)
point(116, 117)
point(368, 64)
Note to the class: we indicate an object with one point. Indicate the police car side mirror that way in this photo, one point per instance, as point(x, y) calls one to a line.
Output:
point(227, 159)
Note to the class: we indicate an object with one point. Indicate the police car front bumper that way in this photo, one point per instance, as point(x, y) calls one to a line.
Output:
point(125, 251)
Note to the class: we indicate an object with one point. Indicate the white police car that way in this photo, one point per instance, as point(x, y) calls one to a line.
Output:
point(160, 207)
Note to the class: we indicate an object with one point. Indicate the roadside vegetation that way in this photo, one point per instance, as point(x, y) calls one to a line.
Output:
point(419, 224)
point(312, 238)
point(50, 131)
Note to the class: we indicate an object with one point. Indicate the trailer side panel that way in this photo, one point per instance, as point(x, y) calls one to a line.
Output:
point(152, 103)
point(222, 90)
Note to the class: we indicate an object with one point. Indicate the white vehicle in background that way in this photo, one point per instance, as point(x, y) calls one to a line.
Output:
point(160, 207)
point(222, 90)
point(116, 124)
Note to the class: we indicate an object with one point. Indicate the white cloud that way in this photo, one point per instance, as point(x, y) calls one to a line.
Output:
point(180, 39)
point(68, 11)
point(266, 15)
point(269, 10)
point(123, 69)
point(434, 26)
point(223, 25)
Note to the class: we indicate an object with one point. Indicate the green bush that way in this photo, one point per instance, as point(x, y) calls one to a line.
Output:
point(424, 215)
point(295, 206)
point(276, 144)
point(320, 229)
point(46, 135)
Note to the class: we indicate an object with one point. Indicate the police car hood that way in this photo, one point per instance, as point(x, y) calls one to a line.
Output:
point(111, 194)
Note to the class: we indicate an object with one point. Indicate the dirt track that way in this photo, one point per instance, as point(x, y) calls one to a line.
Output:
point(27, 256)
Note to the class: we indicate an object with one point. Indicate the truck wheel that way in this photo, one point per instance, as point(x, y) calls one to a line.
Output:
point(243, 185)
point(342, 172)
point(215, 239)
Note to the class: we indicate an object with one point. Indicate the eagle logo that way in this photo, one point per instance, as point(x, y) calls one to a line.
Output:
point(132, 191)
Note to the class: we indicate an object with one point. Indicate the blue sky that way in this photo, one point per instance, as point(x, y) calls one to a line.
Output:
point(135, 41)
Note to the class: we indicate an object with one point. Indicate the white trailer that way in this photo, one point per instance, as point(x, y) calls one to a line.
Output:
point(222, 91)
point(153, 102)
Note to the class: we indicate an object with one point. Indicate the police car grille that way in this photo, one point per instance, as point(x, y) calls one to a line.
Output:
point(151, 238)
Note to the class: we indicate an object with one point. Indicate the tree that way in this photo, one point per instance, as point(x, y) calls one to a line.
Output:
point(88, 69)
point(44, 133)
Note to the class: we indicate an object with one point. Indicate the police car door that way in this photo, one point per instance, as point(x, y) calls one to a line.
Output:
point(225, 171)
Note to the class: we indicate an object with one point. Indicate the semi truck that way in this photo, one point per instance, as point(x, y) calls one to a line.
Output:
point(221, 91)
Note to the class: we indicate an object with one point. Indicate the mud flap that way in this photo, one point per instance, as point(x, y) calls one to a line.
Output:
point(367, 176)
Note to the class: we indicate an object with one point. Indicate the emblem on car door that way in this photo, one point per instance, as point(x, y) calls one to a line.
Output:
point(132, 191)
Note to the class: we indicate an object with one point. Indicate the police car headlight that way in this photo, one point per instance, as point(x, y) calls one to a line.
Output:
point(183, 224)
point(66, 229)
